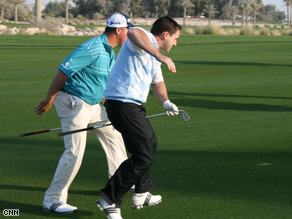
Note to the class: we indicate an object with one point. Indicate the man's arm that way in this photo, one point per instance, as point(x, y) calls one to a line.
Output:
point(140, 38)
point(57, 83)
point(160, 92)
point(103, 100)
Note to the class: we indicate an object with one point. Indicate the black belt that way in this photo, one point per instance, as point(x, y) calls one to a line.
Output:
point(63, 90)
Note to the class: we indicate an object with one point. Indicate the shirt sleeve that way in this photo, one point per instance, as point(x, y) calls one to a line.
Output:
point(77, 60)
point(158, 77)
point(132, 46)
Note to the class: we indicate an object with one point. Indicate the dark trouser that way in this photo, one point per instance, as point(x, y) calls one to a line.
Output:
point(140, 140)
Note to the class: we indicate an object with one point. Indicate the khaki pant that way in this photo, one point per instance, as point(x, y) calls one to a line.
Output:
point(74, 113)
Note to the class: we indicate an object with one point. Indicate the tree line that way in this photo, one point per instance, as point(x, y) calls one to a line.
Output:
point(96, 9)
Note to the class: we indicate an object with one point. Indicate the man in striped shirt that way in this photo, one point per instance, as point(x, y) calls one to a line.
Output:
point(77, 92)
point(137, 68)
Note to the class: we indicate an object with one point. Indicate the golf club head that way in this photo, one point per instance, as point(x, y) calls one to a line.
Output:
point(185, 116)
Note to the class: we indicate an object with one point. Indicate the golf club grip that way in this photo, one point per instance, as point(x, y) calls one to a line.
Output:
point(33, 133)
point(74, 131)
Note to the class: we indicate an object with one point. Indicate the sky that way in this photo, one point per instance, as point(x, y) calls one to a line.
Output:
point(279, 4)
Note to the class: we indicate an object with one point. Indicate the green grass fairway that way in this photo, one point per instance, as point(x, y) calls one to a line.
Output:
point(232, 160)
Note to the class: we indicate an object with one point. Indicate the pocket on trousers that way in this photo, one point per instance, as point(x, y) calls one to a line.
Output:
point(72, 102)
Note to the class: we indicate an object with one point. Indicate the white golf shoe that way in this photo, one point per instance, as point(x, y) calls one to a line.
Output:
point(111, 210)
point(58, 207)
point(140, 199)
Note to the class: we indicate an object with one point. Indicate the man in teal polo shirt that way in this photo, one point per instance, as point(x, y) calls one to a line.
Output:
point(77, 92)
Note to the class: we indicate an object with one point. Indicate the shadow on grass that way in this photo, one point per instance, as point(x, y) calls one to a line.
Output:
point(261, 177)
point(34, 140)
point(227, 105)
point(229, 63)
point(225, 95)
point(232, 41)
point(39, 141)
point(41, 189)
point(36, 211)
point(196, 176)
point(224, 105)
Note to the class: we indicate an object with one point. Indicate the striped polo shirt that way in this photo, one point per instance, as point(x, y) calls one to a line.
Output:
point(88, 68)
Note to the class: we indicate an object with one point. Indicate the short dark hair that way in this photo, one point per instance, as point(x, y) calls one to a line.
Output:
point(111, 29)
point(165, 24)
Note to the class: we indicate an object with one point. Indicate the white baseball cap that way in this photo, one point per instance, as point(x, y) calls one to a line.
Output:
point(119, 20)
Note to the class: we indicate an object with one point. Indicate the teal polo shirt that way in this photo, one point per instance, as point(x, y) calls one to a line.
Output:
point(88, 68)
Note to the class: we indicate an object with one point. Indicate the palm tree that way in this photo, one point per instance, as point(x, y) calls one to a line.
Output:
point(245, 7)
point(288, 3)
point(249, 10)
point(290, 14)
point(135, 7)
point(38, 11)
point(185, 4)
point(3, 5)
point(66, 11)
point(226, 10)
point(229, 11)
point(233, 11)
point(210, 10)
point(255, 7)
point(16, 3)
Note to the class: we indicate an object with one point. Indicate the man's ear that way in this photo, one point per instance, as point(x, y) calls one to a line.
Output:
point(164, 35)
point(118, 30)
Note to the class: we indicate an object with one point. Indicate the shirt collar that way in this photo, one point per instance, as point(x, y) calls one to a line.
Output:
point(105, 42)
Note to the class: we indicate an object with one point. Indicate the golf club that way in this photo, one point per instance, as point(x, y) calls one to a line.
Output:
point(185, 117)
point(56, 129)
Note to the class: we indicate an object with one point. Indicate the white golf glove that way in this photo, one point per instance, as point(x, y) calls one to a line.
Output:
point(170, 108)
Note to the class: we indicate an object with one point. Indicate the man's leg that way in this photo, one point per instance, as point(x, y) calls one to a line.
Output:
point(140, 140)
point(73, 116)
point(111, 140)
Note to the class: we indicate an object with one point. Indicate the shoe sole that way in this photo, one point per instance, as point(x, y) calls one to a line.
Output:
point(99, 205)
point(68, 212)
point(149, 204)
point(102, 209)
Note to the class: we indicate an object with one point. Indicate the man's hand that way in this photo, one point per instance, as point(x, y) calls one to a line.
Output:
point(140, 38)
point(166, 60)
point(171, 109)
point(43, 107)
point(55, 87)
